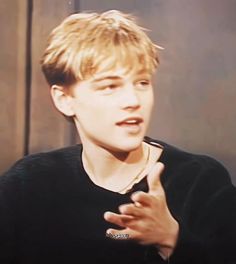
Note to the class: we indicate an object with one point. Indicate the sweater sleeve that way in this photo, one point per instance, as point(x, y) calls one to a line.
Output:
point(207, 218)
point(11, 186)
point(8, 218)
point(213, 239)
point(208, 222)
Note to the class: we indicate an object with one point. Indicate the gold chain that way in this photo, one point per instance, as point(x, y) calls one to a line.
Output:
point(137, 176)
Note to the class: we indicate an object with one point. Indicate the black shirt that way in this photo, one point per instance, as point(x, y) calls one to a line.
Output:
point(51, 212)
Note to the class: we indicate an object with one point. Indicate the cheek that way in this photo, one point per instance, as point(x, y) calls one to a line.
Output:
point(148, 102)
point(94, 114)
point(83, 111)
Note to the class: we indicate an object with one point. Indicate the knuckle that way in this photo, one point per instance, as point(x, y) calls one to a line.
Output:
point(137, 195)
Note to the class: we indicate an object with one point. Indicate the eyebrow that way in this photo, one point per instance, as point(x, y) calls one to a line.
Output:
point(114, 77)
point(107, 78)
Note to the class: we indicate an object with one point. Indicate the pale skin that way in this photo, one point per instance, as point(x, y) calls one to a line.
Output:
point(148, 219)
point(119, 96)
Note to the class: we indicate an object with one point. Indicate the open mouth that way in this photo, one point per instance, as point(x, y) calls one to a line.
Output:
point(133, 124)
point(131, 121)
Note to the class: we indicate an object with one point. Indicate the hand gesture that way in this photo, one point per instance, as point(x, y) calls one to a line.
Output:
point(148, 219)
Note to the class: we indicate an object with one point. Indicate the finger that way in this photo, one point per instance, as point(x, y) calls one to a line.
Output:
point(131, 209)
point(117, 219)
point(123, 234)
point(153, 179)
point(141, 199)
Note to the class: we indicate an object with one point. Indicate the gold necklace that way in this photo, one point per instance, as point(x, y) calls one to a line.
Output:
point(125, 189)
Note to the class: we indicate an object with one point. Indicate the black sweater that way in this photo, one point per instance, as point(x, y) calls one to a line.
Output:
point(51, 212)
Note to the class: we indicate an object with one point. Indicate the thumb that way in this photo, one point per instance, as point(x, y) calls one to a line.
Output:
point(153, 178)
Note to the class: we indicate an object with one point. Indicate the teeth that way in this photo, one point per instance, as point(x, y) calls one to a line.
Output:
point(131, 121)
point(135, 121)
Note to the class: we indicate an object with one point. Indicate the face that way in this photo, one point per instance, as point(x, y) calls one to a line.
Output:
point(112, 109)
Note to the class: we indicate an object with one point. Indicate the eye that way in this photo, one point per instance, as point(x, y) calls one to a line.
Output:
point(108, 88)
point(143, 84)
point(111, 87)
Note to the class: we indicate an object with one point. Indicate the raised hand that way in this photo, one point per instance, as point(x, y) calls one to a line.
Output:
point(148, 219)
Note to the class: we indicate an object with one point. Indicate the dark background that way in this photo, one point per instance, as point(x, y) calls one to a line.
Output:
point(195, 85)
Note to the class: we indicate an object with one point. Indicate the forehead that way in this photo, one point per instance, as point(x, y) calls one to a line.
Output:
point(120, 70)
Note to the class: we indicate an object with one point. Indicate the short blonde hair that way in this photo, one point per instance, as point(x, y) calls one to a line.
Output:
point(86, 43)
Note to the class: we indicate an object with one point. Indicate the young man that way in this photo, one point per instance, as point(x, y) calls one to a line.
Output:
point(119, 197)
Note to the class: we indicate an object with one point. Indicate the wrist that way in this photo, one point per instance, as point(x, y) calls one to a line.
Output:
point(167, 247)
point(171, 238)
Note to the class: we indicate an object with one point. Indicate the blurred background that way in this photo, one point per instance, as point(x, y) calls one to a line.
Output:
point(195, 85)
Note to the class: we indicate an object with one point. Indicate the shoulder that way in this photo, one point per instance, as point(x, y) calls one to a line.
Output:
point(192, 166)
point(43, 163)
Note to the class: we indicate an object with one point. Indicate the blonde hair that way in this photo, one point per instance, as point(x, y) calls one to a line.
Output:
point(86, 43)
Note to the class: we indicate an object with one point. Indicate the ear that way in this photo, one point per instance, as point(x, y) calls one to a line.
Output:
point(62, 100)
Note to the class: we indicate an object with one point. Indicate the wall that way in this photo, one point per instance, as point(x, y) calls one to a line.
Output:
point(29, 122)
point(13, 80)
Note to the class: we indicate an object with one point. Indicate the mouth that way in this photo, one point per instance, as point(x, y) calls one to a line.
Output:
point(132, 124)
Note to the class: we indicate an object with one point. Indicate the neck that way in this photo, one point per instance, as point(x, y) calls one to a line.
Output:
point(107, 168)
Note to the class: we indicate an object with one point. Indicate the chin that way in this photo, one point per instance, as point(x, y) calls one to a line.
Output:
point(129, 144)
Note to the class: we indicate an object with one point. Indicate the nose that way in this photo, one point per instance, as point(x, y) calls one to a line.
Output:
point(130, 98)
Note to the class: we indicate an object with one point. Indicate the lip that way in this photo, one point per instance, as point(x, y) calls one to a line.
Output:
point(138, 120)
